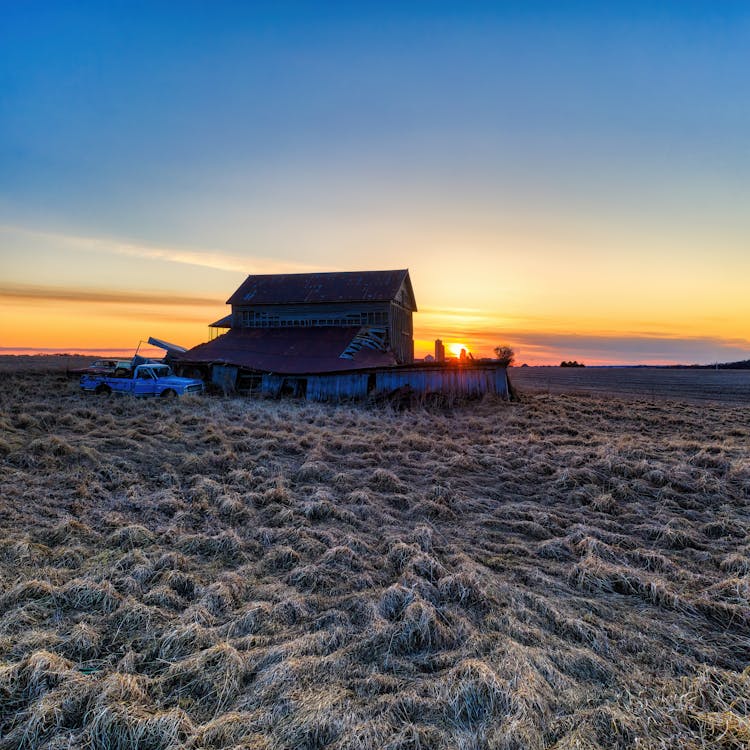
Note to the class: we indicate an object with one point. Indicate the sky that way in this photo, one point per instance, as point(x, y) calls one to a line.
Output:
point(568, 178)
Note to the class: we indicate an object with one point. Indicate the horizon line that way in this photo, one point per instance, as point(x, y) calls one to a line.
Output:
point(30, 351)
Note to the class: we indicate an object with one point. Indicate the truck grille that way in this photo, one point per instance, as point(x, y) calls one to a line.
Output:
point(194, 389)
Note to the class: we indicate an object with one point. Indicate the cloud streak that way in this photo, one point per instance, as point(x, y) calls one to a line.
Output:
point(203, 258)
point(102, 351)
point(30, 293)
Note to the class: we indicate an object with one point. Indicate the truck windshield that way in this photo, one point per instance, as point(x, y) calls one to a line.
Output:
point(161, 372)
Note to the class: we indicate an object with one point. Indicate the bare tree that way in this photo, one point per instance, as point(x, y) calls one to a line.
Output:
point(505, 354)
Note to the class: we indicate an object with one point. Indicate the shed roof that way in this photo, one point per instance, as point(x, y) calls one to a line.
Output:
point(287, 350)
point(225, 322)
point(344, 286)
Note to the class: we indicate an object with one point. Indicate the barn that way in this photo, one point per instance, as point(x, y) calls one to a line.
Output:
point(324, 336)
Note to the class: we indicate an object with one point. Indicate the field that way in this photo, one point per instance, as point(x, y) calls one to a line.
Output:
point(728, 386)
point(557, 572)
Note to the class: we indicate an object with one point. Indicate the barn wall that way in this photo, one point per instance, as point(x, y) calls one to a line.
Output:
point(502, 386)
point(401, 334)
point(456, 381)
point(224, 376)
point(396, 317)
point(450, 381)
point(336, 387)
point(271, 384)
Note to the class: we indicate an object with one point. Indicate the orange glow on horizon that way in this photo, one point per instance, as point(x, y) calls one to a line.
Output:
point(107, 321)
point(455, 349)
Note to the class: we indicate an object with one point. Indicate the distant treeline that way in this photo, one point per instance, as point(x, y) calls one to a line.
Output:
point(743, 365)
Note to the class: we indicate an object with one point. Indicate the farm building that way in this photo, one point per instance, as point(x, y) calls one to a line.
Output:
point(326, 336)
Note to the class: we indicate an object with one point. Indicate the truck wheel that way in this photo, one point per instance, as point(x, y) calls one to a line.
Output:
point(103, 390)
point(169, 393)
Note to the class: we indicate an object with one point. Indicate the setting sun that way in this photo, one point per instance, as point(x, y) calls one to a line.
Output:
point(455, 349)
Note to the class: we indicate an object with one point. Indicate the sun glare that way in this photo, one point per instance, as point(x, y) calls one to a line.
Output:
point(455, 349)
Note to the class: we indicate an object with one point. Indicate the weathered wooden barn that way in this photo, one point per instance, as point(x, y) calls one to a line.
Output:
point(328, 336)
point(378, 303)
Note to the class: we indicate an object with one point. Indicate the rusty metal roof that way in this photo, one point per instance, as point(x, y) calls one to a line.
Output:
point(287, 351)
point(345, 286)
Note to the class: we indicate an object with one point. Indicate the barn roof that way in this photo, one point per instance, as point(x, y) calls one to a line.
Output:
point(287, 350)
point(345, 286)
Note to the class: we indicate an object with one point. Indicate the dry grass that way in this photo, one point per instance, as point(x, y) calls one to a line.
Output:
point(559, 572)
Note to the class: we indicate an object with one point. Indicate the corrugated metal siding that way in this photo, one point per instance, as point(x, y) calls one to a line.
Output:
point(336, 387)
point(457, 381)
point(224, 375)
point(501, 382)
point(449, 381)
point(271, 384)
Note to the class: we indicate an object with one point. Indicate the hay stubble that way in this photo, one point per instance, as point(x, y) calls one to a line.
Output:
point(560, 572)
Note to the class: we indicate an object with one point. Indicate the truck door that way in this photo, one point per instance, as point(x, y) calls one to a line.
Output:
point(120, 385)
point(144, 383)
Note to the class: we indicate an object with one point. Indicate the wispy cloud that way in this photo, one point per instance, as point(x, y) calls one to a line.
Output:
point(124, 350)
point(30, 293)
point(450, 310)
point(205, 258)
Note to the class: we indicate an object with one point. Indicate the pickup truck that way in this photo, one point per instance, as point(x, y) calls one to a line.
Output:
point(145, 380)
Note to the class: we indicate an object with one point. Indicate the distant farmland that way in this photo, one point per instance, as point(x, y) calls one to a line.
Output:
point(730, 386)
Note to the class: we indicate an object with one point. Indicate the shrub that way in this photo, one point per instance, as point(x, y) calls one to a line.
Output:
point(505, 355)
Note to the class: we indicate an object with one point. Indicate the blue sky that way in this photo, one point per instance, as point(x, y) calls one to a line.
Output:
point(563, 168)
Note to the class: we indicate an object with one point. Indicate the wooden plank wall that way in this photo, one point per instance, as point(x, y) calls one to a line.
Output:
point(461, 382)
point(401, 334)
point(336, 387)
point(454, 381)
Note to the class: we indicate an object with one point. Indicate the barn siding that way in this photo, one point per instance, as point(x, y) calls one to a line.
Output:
point(336, 387)
point(502, 386)
point(395, 317)
point(401, 334)
point(450, 381)
point(455, 381)
point(224, 376)
point(461, 382)
point(271, 384)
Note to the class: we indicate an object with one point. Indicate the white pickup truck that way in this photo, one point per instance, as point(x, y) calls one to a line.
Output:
point(144, 380)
